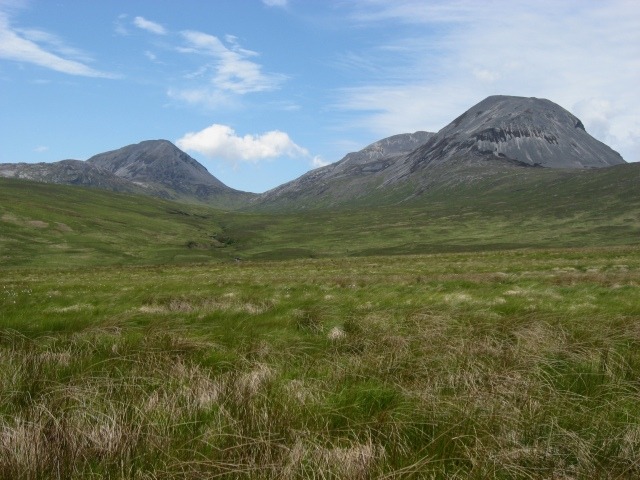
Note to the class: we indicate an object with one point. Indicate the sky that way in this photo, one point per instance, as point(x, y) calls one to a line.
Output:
point(262, 91)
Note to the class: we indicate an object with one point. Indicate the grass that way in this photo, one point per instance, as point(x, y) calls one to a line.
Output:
point(488, 334)
point(51, 225)
point(505, 364)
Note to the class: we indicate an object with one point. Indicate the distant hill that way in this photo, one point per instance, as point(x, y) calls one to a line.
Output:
point(530, 131)
point(347, 177)
point(63, 226)
point(68, 172)
point(500, 134)
point(153, 167)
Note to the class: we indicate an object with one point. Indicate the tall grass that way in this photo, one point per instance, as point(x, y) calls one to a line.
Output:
point(498, 365)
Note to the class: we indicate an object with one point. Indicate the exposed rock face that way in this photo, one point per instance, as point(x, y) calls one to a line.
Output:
point(66, 172)
point(371, 160)
point(532, 131)
point(155, 163)
point(496, 135)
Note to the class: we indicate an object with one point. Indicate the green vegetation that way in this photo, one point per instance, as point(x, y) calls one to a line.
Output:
point(513, 364)
point(490, 334)
point(51, 225)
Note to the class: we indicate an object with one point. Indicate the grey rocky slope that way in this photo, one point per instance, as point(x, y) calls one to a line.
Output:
point(152, 167)
point(353, 169)
point(500, 134)
point(161, 166)
point(532, 131)
point(68, 172)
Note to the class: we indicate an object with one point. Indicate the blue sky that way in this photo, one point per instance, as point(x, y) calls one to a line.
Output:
point(261, 91)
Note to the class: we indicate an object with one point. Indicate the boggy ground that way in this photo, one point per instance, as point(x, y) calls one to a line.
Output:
point(511, 364)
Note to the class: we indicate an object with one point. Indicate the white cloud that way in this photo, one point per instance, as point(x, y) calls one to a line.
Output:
point(318, 161)
point(581, 55)
point(204, 96)
point(149, 26)
point(232, 40)
point(221, 141)
point(228, 72)
point(275, 3)
point(54, 43)
point(41, 149)
point(485, 75)
point(24, 46)
point(119, 25)
point(199, 42)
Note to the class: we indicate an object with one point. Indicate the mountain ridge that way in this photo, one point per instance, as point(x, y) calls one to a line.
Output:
point(67, 172)
point(497, 135)
point(373, 158)
point(152, 167)
point(500, 133)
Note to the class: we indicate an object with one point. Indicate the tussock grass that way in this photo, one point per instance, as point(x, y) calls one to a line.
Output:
point(521, 364)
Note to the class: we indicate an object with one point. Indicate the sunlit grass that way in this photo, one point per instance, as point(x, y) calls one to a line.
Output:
point(514, 364)
point(52, 225)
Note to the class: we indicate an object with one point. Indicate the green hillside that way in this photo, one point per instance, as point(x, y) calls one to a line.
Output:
point(56, 225)
point(480, 330)
point(525, 208)
point(52, 225)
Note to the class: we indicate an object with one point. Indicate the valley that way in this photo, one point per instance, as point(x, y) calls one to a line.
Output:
point(432, 306)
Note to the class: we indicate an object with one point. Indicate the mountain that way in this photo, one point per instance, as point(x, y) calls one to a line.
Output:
point(161, 167)
point(153, 167)
point(353, 171)
point(501, 134)
point(158, 163)
point(529, 131)
point(67, 172)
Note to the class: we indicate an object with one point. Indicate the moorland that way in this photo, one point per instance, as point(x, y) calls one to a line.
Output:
point(491, 331)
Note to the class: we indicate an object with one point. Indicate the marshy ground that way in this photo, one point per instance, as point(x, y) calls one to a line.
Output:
point(507, 364)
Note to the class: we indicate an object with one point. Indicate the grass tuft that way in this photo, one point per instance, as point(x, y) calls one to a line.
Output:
point(483, 369)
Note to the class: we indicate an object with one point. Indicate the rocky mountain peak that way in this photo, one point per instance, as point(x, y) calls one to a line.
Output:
point(156, 161)
point(531, 131)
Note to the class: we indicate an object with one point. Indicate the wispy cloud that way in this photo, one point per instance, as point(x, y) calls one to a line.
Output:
point(318, 161)
point(582, 55)
point(222, 142)
point(54, 43)
point(233, 71)
point(227, 73)
point(149, 26)
point(41, 149)
point(120, 25)
point(275, 3)
point(224, 70)
point(203, 96)
point(45, 50)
